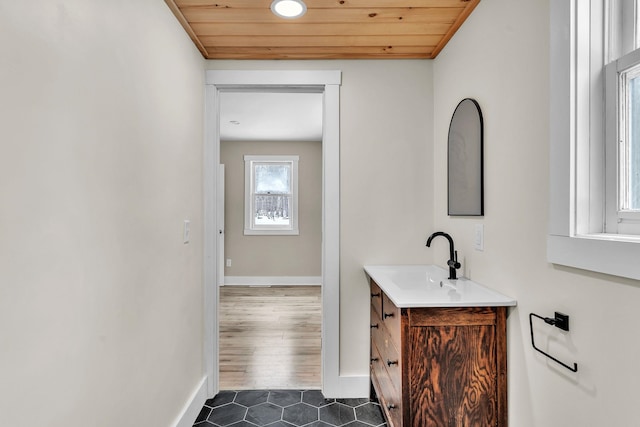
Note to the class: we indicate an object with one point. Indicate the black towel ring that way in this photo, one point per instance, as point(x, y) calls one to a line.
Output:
point(561, 321)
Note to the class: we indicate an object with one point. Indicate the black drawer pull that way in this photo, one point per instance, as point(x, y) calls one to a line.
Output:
point(375, 295)
point(391, 362)
point(391, 406)
point(374, 325)
point(374, 359)
point(387, 315)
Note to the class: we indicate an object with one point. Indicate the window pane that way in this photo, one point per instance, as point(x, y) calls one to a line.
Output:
point(273, 178)
point(272, 209)
point(623, 34)
point(634, 145)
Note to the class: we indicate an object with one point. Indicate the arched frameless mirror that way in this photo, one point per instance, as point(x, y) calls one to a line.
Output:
point(465, 168)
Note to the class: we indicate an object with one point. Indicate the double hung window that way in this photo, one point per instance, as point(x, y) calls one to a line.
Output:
point(595, 136)
point(271, 195)
point(622, 139)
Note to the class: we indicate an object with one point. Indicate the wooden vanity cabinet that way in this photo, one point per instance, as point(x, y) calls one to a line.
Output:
point(439, 366)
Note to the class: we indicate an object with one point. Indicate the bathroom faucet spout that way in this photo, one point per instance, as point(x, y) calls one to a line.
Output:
point(453, 254)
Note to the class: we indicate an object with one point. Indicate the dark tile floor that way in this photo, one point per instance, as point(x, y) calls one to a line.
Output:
point(288, 408)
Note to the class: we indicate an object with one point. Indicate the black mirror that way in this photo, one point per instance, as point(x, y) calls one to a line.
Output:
point(465, 162)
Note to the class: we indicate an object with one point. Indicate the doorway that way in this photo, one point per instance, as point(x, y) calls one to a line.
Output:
point(269, 311)
point(324, 82)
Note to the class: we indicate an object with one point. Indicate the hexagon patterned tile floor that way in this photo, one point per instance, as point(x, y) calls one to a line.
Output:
point(287, 408)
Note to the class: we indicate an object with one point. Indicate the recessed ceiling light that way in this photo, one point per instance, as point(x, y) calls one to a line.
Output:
point(288, 9)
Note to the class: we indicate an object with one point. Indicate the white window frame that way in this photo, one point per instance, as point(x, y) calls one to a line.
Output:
point(577, 236)
point(620, 219)
point(250, 227)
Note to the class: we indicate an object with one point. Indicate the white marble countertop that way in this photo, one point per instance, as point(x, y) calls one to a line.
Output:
point(428, 286)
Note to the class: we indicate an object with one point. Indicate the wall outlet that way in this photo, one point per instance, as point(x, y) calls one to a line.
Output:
point(228, 263)
point(478, 237)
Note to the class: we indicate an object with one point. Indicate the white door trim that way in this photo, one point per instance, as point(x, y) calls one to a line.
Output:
point(327, 82)
point(211, 157)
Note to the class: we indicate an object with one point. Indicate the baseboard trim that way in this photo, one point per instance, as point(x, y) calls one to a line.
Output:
point(192, 407)
point(348, 387)
point(272, 280)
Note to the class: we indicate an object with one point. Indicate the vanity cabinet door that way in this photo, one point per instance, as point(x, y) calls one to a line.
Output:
point(456, 379)
point(453, 376)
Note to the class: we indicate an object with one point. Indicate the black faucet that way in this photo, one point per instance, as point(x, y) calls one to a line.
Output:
point(453, 254)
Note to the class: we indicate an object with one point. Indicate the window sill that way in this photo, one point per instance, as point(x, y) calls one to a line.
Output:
point(249, 232)
point(616, 255)
point(630, 238)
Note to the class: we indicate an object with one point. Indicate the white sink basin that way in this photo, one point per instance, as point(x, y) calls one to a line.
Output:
point(428, 286)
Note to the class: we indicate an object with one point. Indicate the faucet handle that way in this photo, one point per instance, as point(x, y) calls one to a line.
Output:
point(454, 262)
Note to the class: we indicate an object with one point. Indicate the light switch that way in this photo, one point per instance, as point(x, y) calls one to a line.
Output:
point(186, 231)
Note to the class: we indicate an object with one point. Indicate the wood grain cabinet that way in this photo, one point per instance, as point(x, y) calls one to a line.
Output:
point(439, 366)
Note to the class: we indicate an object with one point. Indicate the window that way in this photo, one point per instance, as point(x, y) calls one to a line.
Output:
point(271, 195)
point(594, 136)
point(622, 74)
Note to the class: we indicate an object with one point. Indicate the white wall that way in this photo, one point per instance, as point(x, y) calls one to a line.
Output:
point(100, 162)
point(386, 180)
point(268, 255)
point(500, 58)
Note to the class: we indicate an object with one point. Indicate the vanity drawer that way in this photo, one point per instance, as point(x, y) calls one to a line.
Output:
point(376, 321)
point(391, 319)
point(387, 350)
point(392, 363)
point(389, 395)
point(376, 298)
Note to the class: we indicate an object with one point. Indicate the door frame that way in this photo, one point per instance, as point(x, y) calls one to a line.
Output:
point(324, 81)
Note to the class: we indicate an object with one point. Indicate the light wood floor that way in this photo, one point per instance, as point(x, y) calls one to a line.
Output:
point(270, 337)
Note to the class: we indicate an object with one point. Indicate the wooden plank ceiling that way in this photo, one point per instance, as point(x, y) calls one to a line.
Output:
point(331, 29)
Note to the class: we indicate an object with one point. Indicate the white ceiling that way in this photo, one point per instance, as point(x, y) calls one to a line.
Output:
point(262, 116)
